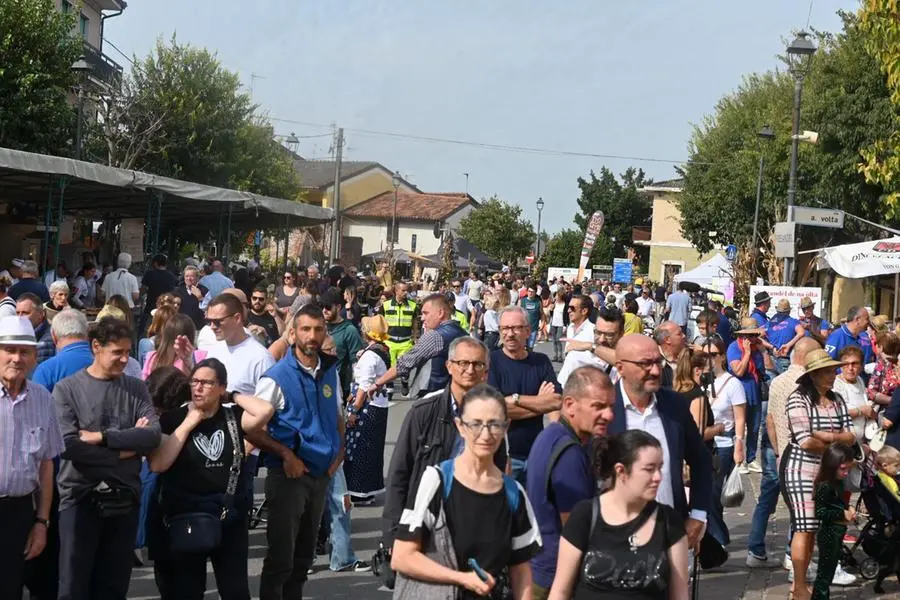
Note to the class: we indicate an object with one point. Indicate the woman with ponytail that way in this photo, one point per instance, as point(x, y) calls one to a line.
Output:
point(624, 542)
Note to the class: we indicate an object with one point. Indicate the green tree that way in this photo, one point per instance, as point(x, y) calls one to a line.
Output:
point(623, 208)
point(182, 114)
point(564, 250)
point(845, 99)
point(498, 229)
point(37, 49)
point(881, 166)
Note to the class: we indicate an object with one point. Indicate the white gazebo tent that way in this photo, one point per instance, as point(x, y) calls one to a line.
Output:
point(867, 259)
point(714, 274)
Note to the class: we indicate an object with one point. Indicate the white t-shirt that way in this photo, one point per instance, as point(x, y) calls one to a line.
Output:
point(367, 369)
point(854, 395)
point(646, 306)
point(490, 321)
point(729, 393)
point(244, 362)
point(556, 320)
point(121, 283)
point(463, 304)
point(475, 288)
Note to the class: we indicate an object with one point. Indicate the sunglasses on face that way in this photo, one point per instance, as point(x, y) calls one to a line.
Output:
point(217, 322)
point(258, 298)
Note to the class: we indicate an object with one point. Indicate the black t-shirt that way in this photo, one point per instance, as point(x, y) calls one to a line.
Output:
point(157, 282)
point(694, 394)
point(267, 322)
point(609, 568)
point(204, 464)
point(482, 526)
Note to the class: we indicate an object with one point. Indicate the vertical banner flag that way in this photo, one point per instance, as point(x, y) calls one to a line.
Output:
point(590, 238)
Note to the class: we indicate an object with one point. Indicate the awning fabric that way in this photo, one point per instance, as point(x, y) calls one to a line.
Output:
point(865, 259)
point(709, 273)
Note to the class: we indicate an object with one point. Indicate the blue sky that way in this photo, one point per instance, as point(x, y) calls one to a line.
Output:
point(625, 78)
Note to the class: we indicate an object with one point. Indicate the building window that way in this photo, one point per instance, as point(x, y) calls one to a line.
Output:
point(412, 242)
point(84, 25)
point(393, 236)
point(66, 6)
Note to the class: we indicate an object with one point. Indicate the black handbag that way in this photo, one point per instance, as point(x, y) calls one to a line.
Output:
point(201, 532)
point(112, 500)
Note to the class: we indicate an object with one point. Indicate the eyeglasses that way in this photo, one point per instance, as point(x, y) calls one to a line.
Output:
point(606, 334)
point(260, 298)
point(494, 428)
point(714, 354)
point(203, 382)
point(476, 365)
point(455, 287)
point(646, 364)
point(217, 322)
point(573, 307)
point(513, 328)
point(288, 276)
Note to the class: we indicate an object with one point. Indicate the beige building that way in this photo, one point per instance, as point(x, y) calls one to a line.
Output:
point(89, 24)
point(670, 252)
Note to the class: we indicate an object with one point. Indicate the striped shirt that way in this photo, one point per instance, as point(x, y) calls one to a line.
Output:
point(29, 434)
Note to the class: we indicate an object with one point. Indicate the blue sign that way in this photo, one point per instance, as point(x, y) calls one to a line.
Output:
point(731, 252)
point(623, 270)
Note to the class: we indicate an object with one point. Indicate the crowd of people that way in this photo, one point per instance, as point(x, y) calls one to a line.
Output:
point(147, 426)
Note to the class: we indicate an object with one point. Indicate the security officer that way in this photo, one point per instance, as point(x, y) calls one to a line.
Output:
point(402, 316)
point(458, 315)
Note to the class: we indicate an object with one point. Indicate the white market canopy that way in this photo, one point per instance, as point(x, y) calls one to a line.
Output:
point(865, 259)
point(713, 274)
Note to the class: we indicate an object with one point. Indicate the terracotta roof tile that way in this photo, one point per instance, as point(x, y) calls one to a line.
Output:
point(411, 206)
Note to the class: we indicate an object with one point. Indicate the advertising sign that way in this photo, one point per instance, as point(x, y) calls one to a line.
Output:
point(623, 270)
point(569, 274)
point(866, 259)
point(793, 294)
point(590, 238)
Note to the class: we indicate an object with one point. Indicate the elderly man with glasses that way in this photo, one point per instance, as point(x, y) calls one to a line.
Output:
point(527, 381)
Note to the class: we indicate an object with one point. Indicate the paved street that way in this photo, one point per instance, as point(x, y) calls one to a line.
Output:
point(732, 581)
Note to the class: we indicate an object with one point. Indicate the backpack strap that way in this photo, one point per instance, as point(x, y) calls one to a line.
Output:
point(558, 449)
point(510, 487)
point(595, 511)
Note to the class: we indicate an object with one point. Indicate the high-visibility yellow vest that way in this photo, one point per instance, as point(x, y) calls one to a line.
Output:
point(461, 318)
point(399, 318)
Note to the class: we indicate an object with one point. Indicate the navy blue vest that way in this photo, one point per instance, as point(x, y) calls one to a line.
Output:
point(308, 423)
point(439, 378)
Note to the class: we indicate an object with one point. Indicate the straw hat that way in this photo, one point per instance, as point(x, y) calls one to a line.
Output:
point(806, 302)
point(816, 360)
point(749, 326)
point(375, 328)
point(16, 331)
point(880, 322)
point(783, 306)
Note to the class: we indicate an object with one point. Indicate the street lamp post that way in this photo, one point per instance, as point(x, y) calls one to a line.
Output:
point(764, 134)
point(799, 55)
point(537, 248)
point(396, 179)
point(80, 67)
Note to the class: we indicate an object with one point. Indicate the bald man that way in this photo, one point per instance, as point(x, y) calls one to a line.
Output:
point(642, 403)
point(776, 436)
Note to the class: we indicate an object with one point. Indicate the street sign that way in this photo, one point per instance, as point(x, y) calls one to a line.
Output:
point(623, 270)
point(818, 217)
point(530, 258)
point(785, 240)
point(731, 252)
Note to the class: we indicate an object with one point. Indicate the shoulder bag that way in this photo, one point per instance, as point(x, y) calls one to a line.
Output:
point(201, 532)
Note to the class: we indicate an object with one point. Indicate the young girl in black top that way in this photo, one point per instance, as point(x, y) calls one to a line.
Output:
point(832, 512)
point(624, 544)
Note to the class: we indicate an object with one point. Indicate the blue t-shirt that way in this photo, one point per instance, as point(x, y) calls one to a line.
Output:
point(841, 338)
point(571, 482)
point(523, 377)
point(760, 317)
point(724, 329)
point(780, 329)
point(532, 308)
point(679, 306)
point(68, 361)
point(751, 384)
point(32, 286)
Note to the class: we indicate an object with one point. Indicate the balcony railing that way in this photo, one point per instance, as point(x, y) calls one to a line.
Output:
point(103, 68)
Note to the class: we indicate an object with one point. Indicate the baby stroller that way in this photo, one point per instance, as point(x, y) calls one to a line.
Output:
point(879, 536)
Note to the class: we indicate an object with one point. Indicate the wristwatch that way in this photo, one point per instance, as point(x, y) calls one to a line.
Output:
point(103, 440)
point(44, 522)
point(594, 348)
point(515, 398)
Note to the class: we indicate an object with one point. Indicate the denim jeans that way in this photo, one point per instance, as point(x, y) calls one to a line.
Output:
point(755, 416)
point(716, 520)
point(342, 554)
point(519, 469)
point(532, 337)
point(781, 364)
point(765, 505)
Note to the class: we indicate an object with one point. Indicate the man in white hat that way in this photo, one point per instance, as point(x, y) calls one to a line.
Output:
point(30, 439)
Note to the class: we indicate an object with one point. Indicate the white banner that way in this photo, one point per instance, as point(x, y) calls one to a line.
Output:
point(570, 275)
point(793, 294)
point(866, 259)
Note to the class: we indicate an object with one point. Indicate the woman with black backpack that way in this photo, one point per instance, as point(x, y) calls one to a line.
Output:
point(203, 515)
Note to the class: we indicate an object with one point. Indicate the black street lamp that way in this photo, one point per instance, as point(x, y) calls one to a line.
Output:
point(799, 56)
point(537, 249)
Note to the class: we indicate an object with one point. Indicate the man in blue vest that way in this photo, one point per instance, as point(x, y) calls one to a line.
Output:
point(429, 355)
point(304, 447)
